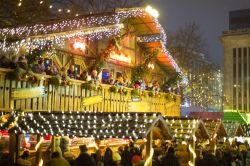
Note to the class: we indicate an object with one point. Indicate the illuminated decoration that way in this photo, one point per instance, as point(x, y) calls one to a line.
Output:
point(149, 159)
point(79, 45)
point(186, 128)
point(88, 124)
point(60, 31)
point(151, 66)
point(152, 11)
point(120, 57)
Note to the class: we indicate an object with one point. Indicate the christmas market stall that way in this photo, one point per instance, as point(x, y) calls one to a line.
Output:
point(82, 128)
point(216, 129)
point(189, 131)
point(233, 129)
point(96, 62)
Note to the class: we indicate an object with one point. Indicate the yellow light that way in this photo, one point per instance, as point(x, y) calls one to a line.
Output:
point(150, 157)
point(19, 4)
point(40, 162)
point(120, 57)
point(41, 2)
point(50, 6)
point(38, 144)
point(59, 10)
point(153, 12)
point(68, 11)
point(79, 45)
point(151, 66)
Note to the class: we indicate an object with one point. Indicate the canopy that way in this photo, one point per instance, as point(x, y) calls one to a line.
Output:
point(215, 128)
point(233, 129)
point(185, 128)
point(91, 124)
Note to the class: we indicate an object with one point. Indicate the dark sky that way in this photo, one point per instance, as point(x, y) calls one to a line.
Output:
point(211, 15)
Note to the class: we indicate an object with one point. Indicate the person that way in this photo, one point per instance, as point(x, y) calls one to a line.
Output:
point(219, 155)
point(108, 158)
point(170, 158)
point(4, 61)
point(56, 160)
point(94, 76)
point(49, 70)
point(22, 62)
point(182, 154)
point(116, 159)
point(126, 157)
point(14, 62)
point(84, 76)
point(208, 159)
point(71, 71)
point(84, 159)
point(23, 160)
point(119, 80)
point(39, 67)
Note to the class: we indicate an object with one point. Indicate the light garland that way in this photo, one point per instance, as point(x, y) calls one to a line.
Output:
point(82, 124)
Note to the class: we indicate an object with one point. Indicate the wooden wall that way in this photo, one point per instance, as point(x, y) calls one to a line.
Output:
point(70, 98)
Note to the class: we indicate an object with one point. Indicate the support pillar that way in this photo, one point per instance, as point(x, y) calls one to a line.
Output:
point(149, 147)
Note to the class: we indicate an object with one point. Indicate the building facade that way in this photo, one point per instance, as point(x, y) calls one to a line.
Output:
point(236, 45)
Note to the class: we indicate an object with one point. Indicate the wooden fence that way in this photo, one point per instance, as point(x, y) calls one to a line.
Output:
point(70, 98)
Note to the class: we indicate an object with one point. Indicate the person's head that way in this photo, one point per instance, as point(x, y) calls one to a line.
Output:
point(120, 149)
point(14, 59)
point(40, 61)
point(126, 148)
point(25, 154)
point(170, 150)
point(84, 72)
point(83, 148)
point(55, 154)
point(94, 73)
point(72, 67)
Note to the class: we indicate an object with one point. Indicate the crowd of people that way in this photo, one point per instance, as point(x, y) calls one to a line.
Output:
point(165, 154)
point(46, 67)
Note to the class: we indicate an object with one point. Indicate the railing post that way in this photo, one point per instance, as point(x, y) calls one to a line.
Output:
point(148, 148)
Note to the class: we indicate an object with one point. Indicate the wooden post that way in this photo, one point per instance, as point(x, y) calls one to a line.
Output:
point(149, 147)
point(12, 148)
point(39, 151)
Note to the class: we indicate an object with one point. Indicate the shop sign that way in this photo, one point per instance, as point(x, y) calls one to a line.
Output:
point(27, 93)
point(120, 57)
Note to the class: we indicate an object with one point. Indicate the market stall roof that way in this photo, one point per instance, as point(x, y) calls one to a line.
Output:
point(233, 129)
point(91, 124)
point(185, 128)
point(246, 129)
point(99, 25)
point(215, 128)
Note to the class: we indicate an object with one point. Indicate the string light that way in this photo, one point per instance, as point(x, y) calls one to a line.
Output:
point(66, 25)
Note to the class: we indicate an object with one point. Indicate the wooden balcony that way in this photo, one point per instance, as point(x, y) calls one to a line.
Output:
point(71, 98)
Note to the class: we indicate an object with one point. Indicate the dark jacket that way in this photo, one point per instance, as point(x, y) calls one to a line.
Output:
point(170, 160)
point(85, 159)
point(209, 160)
point(126, 158)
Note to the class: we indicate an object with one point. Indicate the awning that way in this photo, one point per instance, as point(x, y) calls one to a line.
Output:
point(91, 124)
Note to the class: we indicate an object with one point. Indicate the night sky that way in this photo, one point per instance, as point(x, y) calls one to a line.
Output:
point(211, 15)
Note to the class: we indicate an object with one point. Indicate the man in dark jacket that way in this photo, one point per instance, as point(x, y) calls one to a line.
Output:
point(84, 159)
point(170, 159)
point(126, 157)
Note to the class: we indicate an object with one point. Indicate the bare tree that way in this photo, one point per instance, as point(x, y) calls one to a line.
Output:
point(188, 47)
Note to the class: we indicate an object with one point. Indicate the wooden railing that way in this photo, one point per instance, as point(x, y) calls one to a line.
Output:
point(70, 98)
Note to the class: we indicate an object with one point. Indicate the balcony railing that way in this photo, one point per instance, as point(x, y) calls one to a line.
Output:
point(71, 98)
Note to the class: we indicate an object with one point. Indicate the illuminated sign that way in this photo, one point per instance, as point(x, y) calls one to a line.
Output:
point(79, 45)
point(119, 57)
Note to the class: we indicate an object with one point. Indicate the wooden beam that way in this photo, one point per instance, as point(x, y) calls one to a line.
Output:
point(149, 146)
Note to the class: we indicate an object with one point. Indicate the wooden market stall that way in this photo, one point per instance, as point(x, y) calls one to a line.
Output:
point(85, 124)
point(216, 129)
point(233, 129)
point(190, 130)
point(128, 43)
